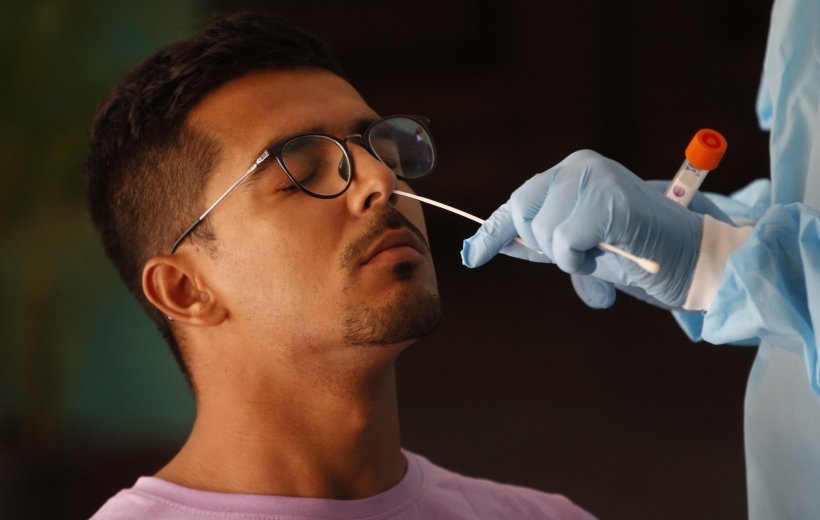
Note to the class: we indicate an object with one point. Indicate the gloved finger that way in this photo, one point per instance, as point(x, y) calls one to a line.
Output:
point(526, 202)
point(496, 232)
point(557, 206)
point(596, 293)
point(700, 203)
point(571, 242)
point(517, 250)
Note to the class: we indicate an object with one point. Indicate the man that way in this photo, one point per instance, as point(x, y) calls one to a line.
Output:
point(750, 267)
point(244, 190)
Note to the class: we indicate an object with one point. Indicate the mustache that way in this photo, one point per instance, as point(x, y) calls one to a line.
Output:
point(391, 218)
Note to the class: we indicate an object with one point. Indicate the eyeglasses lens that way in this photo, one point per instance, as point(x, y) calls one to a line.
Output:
point(320, 166)
point(404, 146)
point(317, 163)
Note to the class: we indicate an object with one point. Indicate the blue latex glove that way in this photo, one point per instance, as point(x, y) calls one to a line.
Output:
point(599, 294)
point(587, 199)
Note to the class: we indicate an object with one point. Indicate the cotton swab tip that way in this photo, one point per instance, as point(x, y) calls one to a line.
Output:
point(650, 266)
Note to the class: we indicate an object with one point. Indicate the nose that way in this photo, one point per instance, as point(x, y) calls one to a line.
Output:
point(373, 182)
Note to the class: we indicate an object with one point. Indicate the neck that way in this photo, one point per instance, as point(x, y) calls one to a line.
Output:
point(302, 439)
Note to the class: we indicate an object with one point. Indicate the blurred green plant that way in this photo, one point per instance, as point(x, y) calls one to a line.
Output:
point(76, 355)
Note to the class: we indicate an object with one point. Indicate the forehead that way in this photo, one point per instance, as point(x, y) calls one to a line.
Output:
point(245, 114)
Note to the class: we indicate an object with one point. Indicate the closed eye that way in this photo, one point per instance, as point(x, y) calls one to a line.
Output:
point(266, 174)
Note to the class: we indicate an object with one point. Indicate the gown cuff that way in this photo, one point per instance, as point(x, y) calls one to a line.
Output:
point(719, 241)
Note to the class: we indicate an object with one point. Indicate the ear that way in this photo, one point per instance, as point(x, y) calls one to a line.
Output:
point(173, 288)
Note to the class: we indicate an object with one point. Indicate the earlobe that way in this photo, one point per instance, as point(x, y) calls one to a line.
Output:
point(173, 289)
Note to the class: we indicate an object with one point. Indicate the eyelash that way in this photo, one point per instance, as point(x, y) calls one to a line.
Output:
point(288, 186)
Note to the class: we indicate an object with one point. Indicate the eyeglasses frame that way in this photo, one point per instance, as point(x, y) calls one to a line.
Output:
point(276, 151)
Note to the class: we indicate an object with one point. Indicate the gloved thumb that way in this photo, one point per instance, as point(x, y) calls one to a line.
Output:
point(496, 232)
point(596, 293)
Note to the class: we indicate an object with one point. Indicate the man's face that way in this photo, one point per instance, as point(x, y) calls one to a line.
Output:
point(297, 273)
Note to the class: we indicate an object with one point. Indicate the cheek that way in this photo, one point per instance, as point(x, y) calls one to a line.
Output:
point(283, 266)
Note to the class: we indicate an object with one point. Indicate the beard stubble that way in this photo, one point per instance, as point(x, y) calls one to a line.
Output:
point(411, 313)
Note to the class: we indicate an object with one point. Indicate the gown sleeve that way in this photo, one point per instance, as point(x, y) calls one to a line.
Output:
point(770, 288)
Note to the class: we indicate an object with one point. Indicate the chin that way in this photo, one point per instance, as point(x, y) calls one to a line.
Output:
point(410, 313)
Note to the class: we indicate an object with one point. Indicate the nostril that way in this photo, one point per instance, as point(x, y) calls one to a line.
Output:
point(373, 197)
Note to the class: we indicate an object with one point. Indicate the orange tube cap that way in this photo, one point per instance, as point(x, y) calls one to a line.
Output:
point(706, 149)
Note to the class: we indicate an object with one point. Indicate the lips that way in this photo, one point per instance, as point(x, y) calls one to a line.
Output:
point(395, 239)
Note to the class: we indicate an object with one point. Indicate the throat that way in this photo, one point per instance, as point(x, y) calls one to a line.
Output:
point(335, 447)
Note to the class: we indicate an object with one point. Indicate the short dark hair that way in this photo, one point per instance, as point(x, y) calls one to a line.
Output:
point(147, 166)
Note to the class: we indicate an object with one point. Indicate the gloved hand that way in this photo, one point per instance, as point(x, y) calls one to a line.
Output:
point(599, 294)
point(587, 199)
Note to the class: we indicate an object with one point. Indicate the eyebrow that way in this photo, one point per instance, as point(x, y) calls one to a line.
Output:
point(359, 125)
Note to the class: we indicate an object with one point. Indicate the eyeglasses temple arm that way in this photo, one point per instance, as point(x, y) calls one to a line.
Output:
point(227, 192)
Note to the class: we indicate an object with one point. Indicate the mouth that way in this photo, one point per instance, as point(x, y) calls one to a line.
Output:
point(395, 246)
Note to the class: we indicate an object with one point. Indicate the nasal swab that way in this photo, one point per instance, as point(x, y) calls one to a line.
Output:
point(440, 205)
point(646, 264)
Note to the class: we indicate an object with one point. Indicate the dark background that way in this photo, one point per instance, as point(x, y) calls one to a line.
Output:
point(521, 382)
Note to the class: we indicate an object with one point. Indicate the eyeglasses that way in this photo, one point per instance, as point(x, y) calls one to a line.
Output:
point(321, 165)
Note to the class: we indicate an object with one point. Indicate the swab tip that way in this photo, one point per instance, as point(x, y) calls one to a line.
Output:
point(650, 266)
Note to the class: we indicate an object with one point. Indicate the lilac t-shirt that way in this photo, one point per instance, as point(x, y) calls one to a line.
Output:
point(426, 492)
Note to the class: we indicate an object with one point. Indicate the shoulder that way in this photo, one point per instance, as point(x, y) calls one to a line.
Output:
point(488, 499)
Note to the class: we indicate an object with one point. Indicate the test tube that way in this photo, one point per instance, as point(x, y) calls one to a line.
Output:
point(702, 155)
